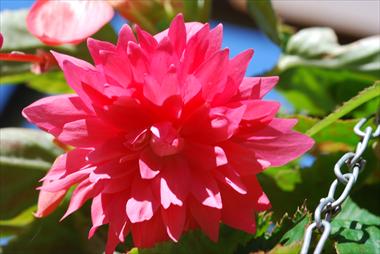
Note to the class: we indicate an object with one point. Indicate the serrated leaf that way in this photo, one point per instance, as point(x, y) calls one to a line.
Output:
point(25, 156)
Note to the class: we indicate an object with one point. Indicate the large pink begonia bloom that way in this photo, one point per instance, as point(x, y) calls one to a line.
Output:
point(56, 22)
point(168, 134)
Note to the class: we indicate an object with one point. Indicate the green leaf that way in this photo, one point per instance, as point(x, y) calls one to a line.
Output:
point(296, 233)
point(355, 230)
point(319, 47)
point(338, 136)
point(286, 177)
point(48, 235)
point(287, 249)
point(49, 82)
point(15, 33)
point(25, 156)
point(262, 12)
point(317, 91)
point(317, 73)
point(363, 97)
point(197, 242)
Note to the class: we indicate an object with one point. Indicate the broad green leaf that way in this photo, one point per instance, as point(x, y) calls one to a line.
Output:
point(265, 17)
point(286, 177)
point(338, 136)
point(317, 73)
point(356, 230)
point(312, 42)
point(15, 33)
point(197, 242)
point(49, 82)
point(363, 97)
point(15, 225)
point(296, 233)
point(287, 249)
point(319, 47)
point(25, 156)
point(21, 219)
point(317, 91)
point(48, 235)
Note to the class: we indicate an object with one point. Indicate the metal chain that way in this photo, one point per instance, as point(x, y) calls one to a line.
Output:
point(330, 206)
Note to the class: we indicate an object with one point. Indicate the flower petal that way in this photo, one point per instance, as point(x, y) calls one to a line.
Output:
point(48, 202)
point(231, 178)
point(149, 164)
point(52, 113)
point(174, 182)
point(174, 218)
point(283, 149)
point(59, 22)
point(256, 87)
point(205, 189)
point(208, 218)
point(86, 132)
point(142, 204)
point(142, 232)
point(84, 191)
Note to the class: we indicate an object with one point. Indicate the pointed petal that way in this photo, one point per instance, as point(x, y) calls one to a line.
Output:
point(86, 132)
point(142, 232)
point(98, 213)
point(283, 149)
point(256, 87)
point(149, 164)
point(205, 189)
point(177, 34)
point(174, 182)
point(48, 202)
point(212, 74)
point(142, 205)
point(204, 157)
point(146, 41)
point(174, 218)
point(84, 191)
point(52, 113)
point(95, 46)
point(242, 159)
point(208, 218)
point(125, 35)
point(231, 178)
point(214, 125)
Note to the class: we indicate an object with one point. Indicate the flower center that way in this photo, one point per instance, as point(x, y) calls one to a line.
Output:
point(165, 140)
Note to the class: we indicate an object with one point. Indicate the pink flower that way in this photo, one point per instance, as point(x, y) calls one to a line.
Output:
point(168, 134)
point(57, 22)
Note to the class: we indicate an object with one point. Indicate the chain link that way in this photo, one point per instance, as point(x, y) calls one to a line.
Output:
point(330, 206)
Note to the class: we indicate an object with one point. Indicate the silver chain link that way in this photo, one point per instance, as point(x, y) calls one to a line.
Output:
point(330, 206)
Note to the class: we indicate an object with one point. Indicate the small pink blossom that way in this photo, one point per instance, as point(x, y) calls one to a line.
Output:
point(168, 134)
point(57, 22)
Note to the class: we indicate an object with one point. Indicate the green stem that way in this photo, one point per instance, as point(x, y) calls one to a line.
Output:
point(363, 97)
